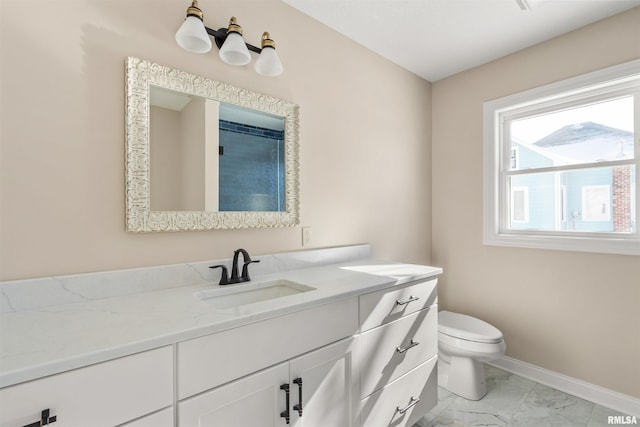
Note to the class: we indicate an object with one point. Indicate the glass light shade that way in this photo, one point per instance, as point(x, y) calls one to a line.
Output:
point(268, 64)
point(192, 36)
point(234, 51)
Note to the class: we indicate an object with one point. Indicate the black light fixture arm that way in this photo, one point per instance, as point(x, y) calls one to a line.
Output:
point(221, 35)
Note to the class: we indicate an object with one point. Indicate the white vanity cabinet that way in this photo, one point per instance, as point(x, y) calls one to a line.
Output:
point(399, 347)
point(245, 376)
point(317, 389)
point(358, 351)
point(105, 394)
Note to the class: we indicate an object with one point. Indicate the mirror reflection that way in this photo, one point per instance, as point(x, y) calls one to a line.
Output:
point(207, 155)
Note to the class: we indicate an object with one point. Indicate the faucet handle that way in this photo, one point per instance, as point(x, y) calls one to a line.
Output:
point(224, 277)
point(245, 270)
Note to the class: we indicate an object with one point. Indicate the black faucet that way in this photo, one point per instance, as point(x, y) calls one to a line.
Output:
point(244, 277)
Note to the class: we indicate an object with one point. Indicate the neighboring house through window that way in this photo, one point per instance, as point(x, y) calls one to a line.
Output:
point(515, 164)
point(520, 205)
point(561, 164)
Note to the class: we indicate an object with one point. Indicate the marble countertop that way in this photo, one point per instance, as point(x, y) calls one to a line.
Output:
point(47, 340)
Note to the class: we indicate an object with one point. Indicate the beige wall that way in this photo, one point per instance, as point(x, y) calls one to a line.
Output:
point(573, 313)
point(364, 123)
point(165, 166)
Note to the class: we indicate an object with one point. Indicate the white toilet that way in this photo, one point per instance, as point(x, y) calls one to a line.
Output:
point(464, 343)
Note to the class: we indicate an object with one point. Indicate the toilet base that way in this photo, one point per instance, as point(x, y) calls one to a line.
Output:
point(462, 376)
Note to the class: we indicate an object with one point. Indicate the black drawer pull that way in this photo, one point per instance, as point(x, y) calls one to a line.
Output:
point(410, 346)
point(285, 414)
point(413, 402)
point(45, 419)
point(411, 299)
point(298, 407)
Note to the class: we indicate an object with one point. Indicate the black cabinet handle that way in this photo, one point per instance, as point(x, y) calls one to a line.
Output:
point(285, 414)
point(44, 420)
point(298, 407)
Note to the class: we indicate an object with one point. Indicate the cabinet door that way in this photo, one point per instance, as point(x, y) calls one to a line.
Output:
point(256, 400)
point(329, 386)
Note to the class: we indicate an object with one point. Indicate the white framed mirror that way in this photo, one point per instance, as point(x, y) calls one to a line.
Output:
point(206, 155)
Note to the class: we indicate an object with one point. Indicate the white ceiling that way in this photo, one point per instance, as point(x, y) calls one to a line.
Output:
point(437, 38)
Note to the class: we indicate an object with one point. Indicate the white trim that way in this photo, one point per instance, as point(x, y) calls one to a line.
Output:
point(629, 70)
point(626, 404)
point(565, 243)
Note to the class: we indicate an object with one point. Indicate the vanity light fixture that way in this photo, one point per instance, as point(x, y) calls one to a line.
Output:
point(193, 36)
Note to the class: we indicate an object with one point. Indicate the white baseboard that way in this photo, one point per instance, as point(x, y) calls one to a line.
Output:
point(628, 405)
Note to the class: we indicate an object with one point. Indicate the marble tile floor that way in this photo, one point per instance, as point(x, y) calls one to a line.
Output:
point(514, 401)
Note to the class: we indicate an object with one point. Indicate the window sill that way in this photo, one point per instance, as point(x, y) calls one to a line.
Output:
point(608, 245)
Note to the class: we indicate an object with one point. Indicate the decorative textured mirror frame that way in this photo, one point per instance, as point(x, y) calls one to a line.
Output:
point(140, 75)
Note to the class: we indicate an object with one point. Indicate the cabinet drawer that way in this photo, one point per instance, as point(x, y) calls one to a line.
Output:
point(395, 405)
point(394, 349)
point(105, 394)
point(207, 362)
point(388, 305)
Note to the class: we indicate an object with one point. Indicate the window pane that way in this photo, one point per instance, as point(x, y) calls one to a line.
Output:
point(601, 131)
point(587, 200)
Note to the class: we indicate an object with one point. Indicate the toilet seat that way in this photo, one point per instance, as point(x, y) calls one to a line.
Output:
point(467, 328)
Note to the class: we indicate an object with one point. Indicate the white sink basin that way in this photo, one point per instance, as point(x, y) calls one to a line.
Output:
point(243, 294)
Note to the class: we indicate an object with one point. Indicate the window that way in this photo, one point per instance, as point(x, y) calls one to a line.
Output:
point(561, 164)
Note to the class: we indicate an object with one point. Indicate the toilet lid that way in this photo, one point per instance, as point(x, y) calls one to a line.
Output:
point(467, 328)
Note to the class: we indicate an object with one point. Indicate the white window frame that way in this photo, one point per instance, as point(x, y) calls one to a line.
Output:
point(622, 78)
